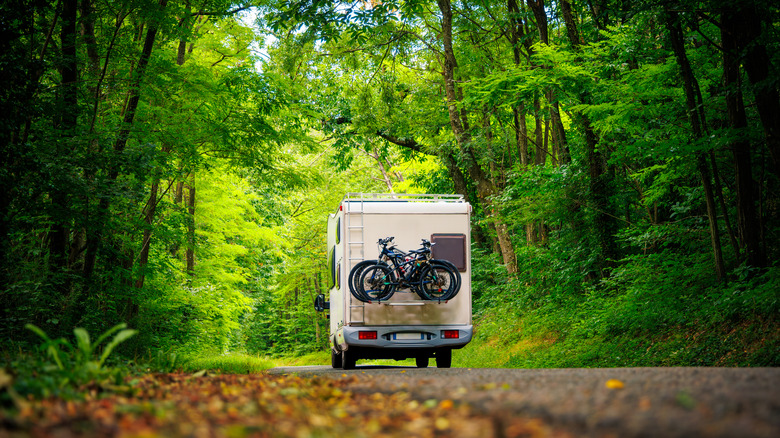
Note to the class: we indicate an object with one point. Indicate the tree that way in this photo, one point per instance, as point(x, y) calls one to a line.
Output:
point(690, 85)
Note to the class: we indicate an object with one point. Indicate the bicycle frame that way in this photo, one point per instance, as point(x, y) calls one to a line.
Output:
point(400, 260)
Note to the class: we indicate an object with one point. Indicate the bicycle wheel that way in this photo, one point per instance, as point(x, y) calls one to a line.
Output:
point(377, 283)
point(354, 278)
point(437, 282)
point(452, 268)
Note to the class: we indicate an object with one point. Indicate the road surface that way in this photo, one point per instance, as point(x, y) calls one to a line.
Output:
point(625, 402)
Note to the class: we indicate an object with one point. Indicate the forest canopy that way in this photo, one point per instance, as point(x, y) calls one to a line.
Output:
point(171, 164)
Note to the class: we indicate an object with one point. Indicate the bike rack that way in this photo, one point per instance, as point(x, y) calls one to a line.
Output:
point(414, 303)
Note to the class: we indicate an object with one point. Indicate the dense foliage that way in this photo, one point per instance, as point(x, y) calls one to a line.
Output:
point(170, 165)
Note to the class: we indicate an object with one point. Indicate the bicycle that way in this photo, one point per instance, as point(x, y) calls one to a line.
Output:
point(431, 279)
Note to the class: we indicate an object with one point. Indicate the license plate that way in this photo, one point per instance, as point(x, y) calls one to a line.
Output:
point(407, 336)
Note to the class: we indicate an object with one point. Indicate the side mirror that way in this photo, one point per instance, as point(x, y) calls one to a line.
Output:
point(320, 304)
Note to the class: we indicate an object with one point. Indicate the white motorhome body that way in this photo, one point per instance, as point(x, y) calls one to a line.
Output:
point(405, 326)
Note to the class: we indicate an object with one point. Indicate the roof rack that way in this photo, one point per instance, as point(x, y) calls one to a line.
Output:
point(402, 197)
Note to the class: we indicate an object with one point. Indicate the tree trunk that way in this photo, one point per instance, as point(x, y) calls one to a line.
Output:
point(381, 165)
point(133, 98)
point(134, 94)
point(530, 233)
point(190, 254)
point(546, 143)
point(143, 256)
point(181, 50)
point(521, 134)
point(568, 17)
point(722, 202)
point(743, 24)
point(599, 176)
point(537, 7)
point(67, 124)
point(485, 187)
point(748, 221)
point(458, 179)
point(518, 112)
point(540, 14)
point(676, 37)
point(539, 155)
point(559, 133)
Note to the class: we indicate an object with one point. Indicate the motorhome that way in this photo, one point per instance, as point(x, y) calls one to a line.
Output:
point(405, 325)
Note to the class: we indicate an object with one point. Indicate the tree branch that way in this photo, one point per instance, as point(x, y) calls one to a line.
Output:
point(222, 14)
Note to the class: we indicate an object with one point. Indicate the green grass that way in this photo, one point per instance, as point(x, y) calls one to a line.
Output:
point(318, 358)
point(242, 363)
point(571, 336)
point(231, 363)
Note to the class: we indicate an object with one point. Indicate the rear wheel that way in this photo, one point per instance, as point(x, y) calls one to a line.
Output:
point(444, 358)
point(422, 362)
point(348, 359)
point(335, 359)
point(376, 283)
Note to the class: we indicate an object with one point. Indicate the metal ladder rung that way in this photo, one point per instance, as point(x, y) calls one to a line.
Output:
point(355, 226)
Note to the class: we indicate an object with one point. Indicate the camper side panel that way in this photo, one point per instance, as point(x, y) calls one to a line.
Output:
point(335, 267)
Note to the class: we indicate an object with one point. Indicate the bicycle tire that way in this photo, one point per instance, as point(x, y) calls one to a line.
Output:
point(377, 283)
point(354, 278)
point(437, 282)
point(454, 270)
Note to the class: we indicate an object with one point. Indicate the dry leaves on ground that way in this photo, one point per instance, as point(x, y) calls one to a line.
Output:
point(256, 405)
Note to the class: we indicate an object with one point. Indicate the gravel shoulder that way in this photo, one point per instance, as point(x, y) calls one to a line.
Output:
point(670, 402)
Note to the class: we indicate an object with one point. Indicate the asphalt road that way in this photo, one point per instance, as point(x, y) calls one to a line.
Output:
point(624, 402)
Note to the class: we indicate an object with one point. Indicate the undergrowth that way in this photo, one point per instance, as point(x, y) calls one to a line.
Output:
point(62, 368)
point(649, 312)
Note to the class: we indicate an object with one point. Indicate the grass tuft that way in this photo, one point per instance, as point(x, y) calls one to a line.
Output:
point(230, 363)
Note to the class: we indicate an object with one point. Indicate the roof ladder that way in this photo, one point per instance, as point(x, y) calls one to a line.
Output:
point(356, 252)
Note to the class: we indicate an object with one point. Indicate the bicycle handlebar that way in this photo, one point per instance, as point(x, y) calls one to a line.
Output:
point(386, 240)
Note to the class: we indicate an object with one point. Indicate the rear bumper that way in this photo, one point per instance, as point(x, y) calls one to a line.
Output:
point(405, 337)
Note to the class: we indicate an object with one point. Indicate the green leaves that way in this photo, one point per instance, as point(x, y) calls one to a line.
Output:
point(123, 335)
point(84, 349)
point(76, 367)
point(51, 346)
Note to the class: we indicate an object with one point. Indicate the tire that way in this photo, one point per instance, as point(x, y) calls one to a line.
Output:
point(348, 359)
point(354, 278)
point(452, 268)
point(421, 362)
point(437, 282)
point(377, 283)
point(335, 359)
point(444, 358)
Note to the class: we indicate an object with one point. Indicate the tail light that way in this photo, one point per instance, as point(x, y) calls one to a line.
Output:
point(450, 334)
point(365, 336)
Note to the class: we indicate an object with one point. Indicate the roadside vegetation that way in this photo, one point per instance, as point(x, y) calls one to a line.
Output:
point(667, 318)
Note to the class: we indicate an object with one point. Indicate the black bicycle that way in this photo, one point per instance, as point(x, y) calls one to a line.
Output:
point(378, 280)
